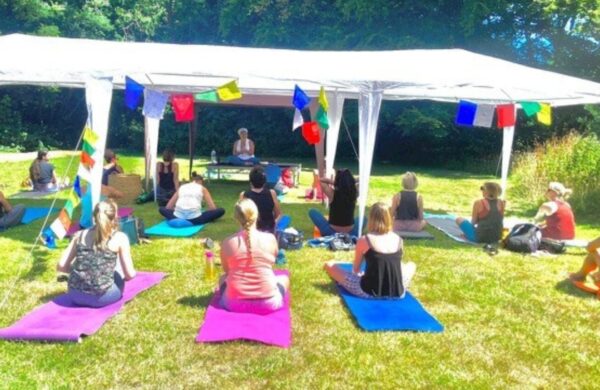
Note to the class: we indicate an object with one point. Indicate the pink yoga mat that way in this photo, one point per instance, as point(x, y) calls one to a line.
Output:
point(222, 325)
point(61, 320)
point(75, 227)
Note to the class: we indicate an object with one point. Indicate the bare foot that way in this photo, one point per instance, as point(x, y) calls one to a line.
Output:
point(577, 277)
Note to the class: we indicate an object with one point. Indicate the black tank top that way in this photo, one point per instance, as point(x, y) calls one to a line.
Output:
point(166, 179)
point(107, 172)
point(265, 204)
point(341, 210)
point(383, 274)
point(408, 210)
point(489, 229)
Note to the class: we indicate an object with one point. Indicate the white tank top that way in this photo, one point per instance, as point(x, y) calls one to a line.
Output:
point(189, 201)
point(238, 148)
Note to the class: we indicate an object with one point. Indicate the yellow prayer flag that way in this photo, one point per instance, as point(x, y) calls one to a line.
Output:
point(545, 114)
point(89, 136)
point(323, 100)
point(74, 199)
point(229, 91)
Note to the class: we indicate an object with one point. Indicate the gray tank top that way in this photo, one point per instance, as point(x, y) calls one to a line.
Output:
point(489, 229)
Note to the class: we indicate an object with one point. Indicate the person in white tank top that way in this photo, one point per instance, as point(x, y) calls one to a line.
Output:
point(243, 150)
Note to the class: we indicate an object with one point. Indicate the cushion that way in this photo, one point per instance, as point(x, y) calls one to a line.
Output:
point(179, 223)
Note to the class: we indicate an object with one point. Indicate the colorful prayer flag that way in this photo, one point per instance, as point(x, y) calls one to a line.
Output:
point(133, 92)
point(154, 103)
point(58, 229)
point(545, 114)
point(323, 100)
point(300, 99)
point(208, 96)
point(69, 208)
point(484, 115)
point(183, 106)
point(322, 118)
point(311, 133)
point(530, 108)
point(506, 115)
point(229, 91)
point(298, 119)
point(85, 174)
point(87, 160)
point(77, 186)
point(465, 114)
point(89, 136)
point(86, 147)
point(74, 199)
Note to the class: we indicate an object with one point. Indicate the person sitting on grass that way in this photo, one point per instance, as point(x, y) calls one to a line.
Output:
point(559, 221)
point(342, 194)
point(10, 215)
point(407, 206)
point(186, 203)
point(111, 166)
point(98, 260)
point(243, 150)
point(41, 173)
point(590, 264)
point(167, 174)
point(385, 274)
point(265, 200)
point(249, 283)
point(487, 219)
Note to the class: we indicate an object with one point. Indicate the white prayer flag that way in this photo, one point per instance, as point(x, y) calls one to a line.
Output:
point(484, 115)
point(58, 229)
point(84, 173)
point(154, 103)
point(298, 120)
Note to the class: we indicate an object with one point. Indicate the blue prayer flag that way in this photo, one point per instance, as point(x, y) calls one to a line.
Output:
point(301, 99)
point(77, 186)
point(133, 92)
point(465, 114)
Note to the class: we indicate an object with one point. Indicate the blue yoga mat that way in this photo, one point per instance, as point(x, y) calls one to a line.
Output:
point(33, 213)
point(163, 229)
point(405, 314)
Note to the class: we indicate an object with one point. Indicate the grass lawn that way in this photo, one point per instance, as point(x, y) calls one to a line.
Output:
point(510, 320)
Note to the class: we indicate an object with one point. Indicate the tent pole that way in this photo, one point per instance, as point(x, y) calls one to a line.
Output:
point(192, 141)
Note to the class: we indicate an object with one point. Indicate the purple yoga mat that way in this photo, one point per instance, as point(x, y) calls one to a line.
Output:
point(61, 320)
point(75, 227)
point(222, 325)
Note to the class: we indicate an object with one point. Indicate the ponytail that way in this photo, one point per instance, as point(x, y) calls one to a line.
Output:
point(246, 214)
point(105, 218)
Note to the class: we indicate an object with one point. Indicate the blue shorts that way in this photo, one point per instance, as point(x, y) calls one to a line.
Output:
point(469, 230)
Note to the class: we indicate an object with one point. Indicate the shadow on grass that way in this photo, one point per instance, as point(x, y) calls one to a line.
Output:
point(39, 264)
point(328, 287)
point(50, 297)
point(196, 300)
point(565, 286)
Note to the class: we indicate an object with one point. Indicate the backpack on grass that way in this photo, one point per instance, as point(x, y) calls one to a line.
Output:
point(523, 238)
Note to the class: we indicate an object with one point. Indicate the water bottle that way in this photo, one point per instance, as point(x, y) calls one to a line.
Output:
point(209, 266)
point(213, 157)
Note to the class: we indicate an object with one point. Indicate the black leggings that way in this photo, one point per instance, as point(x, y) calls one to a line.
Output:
point(206, 217)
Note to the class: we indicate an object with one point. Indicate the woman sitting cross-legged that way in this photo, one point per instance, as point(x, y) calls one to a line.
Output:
point(186, 203)
point(10, 215)
point(487, 218)
point(243, 150)
point(342, 195)
point(385, 275)
point(265, 200)
point(41, 173)
point(167, 175)
point(98, 260)
point(556, 214)
point(407, 206)
point(249, 283)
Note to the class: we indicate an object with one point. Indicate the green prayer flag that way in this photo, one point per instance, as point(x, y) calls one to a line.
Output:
point(69, 208)
point(531, 108)
point(89, 149)
point(208, 96)
point(322, 119)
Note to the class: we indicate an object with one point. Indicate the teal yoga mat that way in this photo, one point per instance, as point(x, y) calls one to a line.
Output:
point(34, 213)
point(163, 229)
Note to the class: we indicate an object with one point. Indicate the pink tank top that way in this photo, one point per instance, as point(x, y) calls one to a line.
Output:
point(251, 278)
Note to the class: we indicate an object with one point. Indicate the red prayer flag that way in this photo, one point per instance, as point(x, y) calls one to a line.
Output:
point(183, 106)
point(64, 219)
point(87, 160)
point(311, 133)
point(506, 115)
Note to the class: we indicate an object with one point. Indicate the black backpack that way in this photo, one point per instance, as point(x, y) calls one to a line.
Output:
point(523, 238)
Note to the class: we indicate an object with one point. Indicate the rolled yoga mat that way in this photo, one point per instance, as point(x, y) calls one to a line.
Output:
point(222, 325)
point(62, 321)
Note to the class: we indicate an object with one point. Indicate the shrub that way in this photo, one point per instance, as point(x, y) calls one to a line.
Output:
point(573, 160)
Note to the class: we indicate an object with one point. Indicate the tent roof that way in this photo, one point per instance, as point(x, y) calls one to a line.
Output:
point(443, 75)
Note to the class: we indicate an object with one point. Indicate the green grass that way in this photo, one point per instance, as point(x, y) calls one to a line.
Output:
point(511, 320)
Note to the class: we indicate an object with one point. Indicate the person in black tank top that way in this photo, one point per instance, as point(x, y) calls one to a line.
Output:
point(342, 194)
point(385, 275)
point(167, 178)
point(265, 200)
point(407, 206)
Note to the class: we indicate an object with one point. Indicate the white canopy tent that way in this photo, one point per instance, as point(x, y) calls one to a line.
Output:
point(266, 76)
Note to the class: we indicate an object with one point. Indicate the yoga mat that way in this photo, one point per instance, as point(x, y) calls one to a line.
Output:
point(163, 229)
point(405, 314)
point(34, 213)
point(422, 235)
point(75, 226)
point(61, 320)
point(35, 194)
point(449, 228)
point(222, 325)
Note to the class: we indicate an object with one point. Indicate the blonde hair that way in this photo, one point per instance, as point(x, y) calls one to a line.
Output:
point(410, 181)
point(107, 222)
point(380, 220)
point(492, 189)
point(246, 213)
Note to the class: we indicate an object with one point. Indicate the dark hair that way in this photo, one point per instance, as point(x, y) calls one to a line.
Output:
point(109, 155)
point(42, 154)
point(168, 155)
point(258, 178)
point(197, 177)
point(345, 185)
